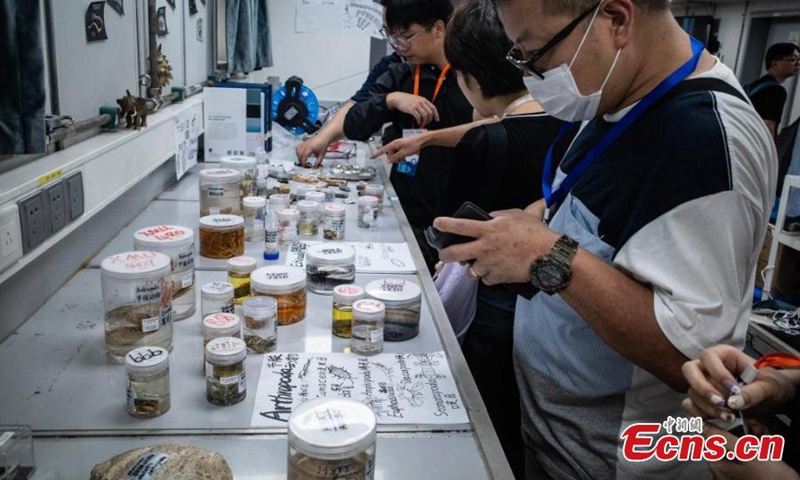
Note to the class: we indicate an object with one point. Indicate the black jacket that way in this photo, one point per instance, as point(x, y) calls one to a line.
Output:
point(421, 194)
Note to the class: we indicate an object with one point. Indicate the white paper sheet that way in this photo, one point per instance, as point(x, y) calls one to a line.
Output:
point(225, 122)
point(379, 258)
point(319, 16)
point(401, 389)
point(363, 16)
point(187, 131)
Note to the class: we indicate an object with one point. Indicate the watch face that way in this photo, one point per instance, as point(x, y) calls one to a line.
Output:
point(551, 275)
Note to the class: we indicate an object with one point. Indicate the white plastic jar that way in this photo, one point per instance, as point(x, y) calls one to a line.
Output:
point(288, 226)
point(318, 197)
point(334, 221)
point(226, 383)
point(137, 299)
point(218, 325)
point(368, 212)
point(221, 236)
point(403, 300)
point(308, 223)
point(178, 244)
point(220, 191)
point(376, 190)
point(332, 438)
point(304, 189)
point(279, 201)
point(287, 285)
point(344, 296)
point(216, 297)
point(248, 167)
point(261, 324)
point(147, 382)
point(367, 332)
point(329, 265)
point(254, 214)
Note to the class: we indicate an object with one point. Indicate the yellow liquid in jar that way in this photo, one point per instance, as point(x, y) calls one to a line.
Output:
point(241, 287)
point(342, 320)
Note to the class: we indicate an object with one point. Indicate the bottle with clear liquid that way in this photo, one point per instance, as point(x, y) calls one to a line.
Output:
point(271, 249)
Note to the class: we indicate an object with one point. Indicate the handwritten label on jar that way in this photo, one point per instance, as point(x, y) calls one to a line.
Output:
point(277, 276)
point(187, 280)
point(242, 383)
point(148, 293)
point(151, 324)
point(376, 335)
point(330, 419)
point(147, 466)
point(271, 236)
point(5, 437)
point(393, 285)
point(230, 308)
point(216, 191)
point(185, 260)
point(229, 380)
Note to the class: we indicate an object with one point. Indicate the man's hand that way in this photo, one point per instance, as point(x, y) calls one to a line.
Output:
point(398, 150)
point(316, 146)
point(736, 470)
point(504, 247)
point(537, 209)
point(423, 111)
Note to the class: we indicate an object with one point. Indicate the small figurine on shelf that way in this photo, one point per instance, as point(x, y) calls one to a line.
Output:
point(164, 73)
point(134, 110)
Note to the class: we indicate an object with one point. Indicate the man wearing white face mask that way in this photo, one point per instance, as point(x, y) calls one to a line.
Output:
point(646, 247)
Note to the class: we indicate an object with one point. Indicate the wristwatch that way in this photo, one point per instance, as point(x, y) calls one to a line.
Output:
point(551, 273)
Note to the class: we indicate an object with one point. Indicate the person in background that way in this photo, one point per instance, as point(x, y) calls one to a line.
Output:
point(770, 393)
point(419, 94)
point(766, 93)
point(646, 246)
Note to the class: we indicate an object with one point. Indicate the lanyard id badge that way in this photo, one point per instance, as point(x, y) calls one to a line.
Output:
point(409, 166)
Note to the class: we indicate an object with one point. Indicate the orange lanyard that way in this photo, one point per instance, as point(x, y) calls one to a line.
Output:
point(779, 360)
point(439, 83)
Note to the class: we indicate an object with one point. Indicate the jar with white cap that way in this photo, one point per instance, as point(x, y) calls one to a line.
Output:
point(137, 299)
point(367, 212)
point(332, 438)
point(287, 285)
point(368, 323)
point(304, 189)
point(221, 236)
point(376, 190)
point(318, 197)
point(344, 296)
point(147, 382)
point(239, 270)
point(403, 300)
point(288, 226)
point(226, 383)
point(279, 201)
point(261, 324)
point(178, 244)
point(334, 217)
point(248, 167)
point(254, 211)
point(218, 325)
point(219, 191)
point(216, 297)
point(308, 223)
point(329, 265)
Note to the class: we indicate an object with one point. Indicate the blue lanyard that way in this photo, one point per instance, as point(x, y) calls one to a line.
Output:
point(554, 198)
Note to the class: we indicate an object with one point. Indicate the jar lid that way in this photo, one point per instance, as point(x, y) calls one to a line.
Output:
point(307, 206)
point(374, 187)
point(222, 222)
point(217, 290)
point(304, 187)
point(347, 293)
point(133, 265)
point(238, 161)
point(288, 212)
point(393, 290)
point(335, 210)
point(330, 254)
point(369, 309)
point(222, 323)
point(241, 265)
point(332, 428)
point(277, 279)
point(277, 199)
point(260, 307)
point(147, 360)
point(220, 175)
point(163, 236)
point(255, 202)
point(315, 196)
point(368, 200)
point(226, 351)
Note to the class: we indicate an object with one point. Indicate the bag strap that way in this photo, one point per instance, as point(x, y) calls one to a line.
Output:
point(753, 91)
point(495, 164)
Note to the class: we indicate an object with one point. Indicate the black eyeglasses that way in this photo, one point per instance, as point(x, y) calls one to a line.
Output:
point(528, 67)
point(398, 41)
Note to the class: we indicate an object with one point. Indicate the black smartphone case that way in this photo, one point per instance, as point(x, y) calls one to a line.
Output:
point(441, 240)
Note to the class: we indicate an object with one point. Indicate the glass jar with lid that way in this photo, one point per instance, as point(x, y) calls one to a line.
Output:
point(334, 217)
point(219, 191)
point(308, 223)
point(279, 201)
point(287, 285)
point(221, 236)
point(344, 296)
point(332, 438)
point(137, 299)
point(261, 324)
point(403, 300)
point(329, 265)
point(147, 385)
point(226, 383)
point(318, 197)
point(367, 212)
point(288, 226)
point(178, 244)
point(367, 331)
point(239, 270)
point(303, 189)
point(216, 297)
point(254, 212)
point(218, 325)
point(376, 190)
point(248, 167)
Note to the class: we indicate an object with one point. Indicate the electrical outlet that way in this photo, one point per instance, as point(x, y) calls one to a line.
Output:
point(56, 200)
point(34, 221)
point(10, 236)
point(74, 195)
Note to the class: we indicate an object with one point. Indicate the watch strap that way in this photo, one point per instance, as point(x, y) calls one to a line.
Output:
point(564, 251)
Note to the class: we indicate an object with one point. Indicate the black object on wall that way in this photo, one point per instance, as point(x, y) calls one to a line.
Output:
point(21, 78)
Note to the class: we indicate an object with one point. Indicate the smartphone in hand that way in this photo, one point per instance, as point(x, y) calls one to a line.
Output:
point(441, 240)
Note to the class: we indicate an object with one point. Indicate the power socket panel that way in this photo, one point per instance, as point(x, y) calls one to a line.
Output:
point(56, 200)
point(10, 236)
point(34, 220)
point(74, 189)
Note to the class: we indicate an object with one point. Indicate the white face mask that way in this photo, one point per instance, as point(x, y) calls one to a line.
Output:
point(558, 93)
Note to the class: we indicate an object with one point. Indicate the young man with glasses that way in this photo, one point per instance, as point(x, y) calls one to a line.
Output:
point(766, 93)
point(645, 248)
point(419, 94)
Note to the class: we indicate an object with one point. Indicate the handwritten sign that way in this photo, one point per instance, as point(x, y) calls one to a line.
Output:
point(402, 388)
point(378, 258)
